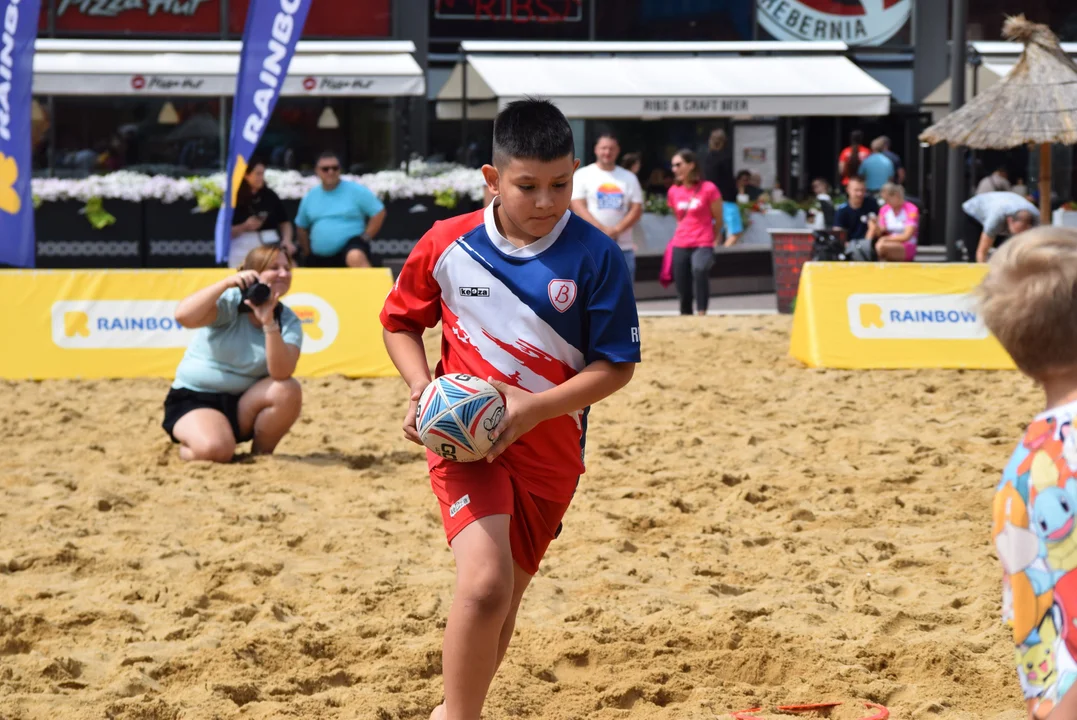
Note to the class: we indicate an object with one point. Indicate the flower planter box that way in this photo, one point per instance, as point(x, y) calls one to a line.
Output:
point(65, 238)
point(738, 270)
point(291, 209)
point(156, 228)
point(405, 222)
point(1064, 218)
point(179, 236)
point(408, 220)
point(653, 234)
point(758, 232)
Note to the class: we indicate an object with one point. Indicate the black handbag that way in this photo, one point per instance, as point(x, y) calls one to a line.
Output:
point(827, 248)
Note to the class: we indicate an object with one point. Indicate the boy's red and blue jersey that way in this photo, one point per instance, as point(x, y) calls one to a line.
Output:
point(532, 317)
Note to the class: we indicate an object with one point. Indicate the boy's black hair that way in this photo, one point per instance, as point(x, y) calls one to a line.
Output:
point(329, 155)
point(532, 129)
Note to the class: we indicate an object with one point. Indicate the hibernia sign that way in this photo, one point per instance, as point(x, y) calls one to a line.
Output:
point(696, 106)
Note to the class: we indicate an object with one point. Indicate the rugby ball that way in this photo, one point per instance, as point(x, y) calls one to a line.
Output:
point(456, 417)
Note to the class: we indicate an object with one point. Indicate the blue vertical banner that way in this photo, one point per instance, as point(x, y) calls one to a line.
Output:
point(269, 38)
point(18, 31)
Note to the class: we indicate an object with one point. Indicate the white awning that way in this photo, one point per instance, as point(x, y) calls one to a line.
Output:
point(650, 46)
point(988, 76)
point(653, 87)
point(208, 68)
point(998, 59)
point(996, 48)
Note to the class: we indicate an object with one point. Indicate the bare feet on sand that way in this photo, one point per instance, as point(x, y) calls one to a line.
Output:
point(439, 713)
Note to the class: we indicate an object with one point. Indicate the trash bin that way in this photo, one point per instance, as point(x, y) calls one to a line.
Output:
point(790, 250)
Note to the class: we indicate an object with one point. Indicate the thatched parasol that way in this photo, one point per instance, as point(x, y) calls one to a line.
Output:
point(1034, 105)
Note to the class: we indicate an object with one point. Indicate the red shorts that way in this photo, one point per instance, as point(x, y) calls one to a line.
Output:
point(468, 492)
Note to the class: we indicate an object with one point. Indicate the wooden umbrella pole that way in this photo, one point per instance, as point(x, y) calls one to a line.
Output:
point(1045, 183)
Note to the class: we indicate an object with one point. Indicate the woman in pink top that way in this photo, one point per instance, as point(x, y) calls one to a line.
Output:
point(697, 205)
point(899, 226)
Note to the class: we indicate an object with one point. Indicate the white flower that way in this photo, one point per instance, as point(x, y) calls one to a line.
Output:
point(422, 179)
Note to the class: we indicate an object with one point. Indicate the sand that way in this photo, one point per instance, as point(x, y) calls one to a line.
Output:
point(749, 533)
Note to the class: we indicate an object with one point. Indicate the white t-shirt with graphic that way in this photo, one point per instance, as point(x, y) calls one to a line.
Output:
point(609, 196)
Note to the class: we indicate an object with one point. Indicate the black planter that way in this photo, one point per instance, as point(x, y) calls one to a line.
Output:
point(65, 238)
point(179, 236)
point(408, 220)
point(727, 265)
point(163, 235)
point(291, 209)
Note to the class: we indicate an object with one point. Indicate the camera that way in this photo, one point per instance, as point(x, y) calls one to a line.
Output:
point(257, 293)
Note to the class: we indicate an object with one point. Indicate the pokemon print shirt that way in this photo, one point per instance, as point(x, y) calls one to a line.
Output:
point(1033, 531)
point(532, 317)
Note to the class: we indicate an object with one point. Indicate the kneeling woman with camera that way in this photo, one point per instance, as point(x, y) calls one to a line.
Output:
point(235, 381)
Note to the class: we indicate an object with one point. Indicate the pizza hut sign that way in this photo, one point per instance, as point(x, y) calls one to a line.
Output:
point(156, 83)
point(855, 22)
point(328, 85)
point(114, 8)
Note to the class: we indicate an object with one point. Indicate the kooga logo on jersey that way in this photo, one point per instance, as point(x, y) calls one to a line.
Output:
point(856, 22)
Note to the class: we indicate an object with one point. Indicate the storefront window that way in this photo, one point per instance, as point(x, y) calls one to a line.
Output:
point(40, 123)
point(303, 128)
point(101, 134)
point(181, 136)
point(987, 16)
point(666, 20)
point(656, 142)
point(510, 19)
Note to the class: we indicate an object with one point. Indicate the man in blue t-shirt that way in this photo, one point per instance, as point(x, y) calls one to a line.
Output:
point(337, 220)
point(877, 169)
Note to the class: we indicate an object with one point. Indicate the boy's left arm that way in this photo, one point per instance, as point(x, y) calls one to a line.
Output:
point(524, 410)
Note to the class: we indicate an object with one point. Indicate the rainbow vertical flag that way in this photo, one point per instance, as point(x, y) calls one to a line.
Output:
point(269, 38)
point(18, 31)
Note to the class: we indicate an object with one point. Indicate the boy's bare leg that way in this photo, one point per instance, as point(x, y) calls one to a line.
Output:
point(480, 608)
point(519, 584)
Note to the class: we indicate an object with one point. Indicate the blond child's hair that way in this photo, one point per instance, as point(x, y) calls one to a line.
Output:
point(1029, 299)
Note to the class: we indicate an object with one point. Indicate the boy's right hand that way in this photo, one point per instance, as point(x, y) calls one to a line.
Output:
point(410, 431)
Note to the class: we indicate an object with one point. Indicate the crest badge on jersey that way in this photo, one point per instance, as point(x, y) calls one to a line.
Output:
point(562, 294)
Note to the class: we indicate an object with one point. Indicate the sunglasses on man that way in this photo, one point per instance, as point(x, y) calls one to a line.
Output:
point(329, 168)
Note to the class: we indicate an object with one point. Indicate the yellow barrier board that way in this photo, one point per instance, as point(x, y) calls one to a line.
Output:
point(882, 316)
point(121, 324)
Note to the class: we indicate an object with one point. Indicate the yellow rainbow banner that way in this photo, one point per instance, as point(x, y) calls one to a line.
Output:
point(892, 316)
point(121, 324)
